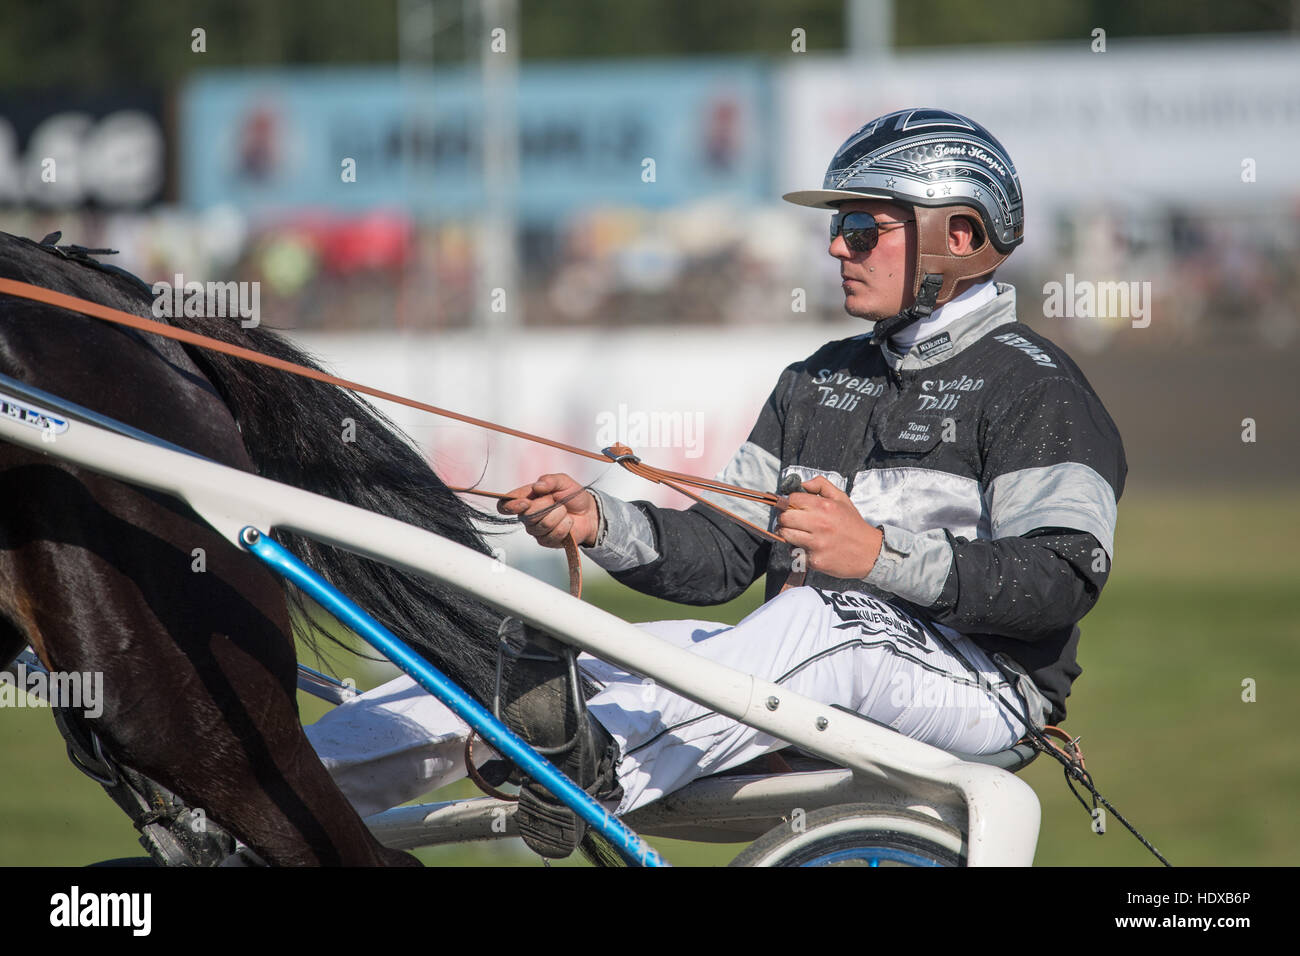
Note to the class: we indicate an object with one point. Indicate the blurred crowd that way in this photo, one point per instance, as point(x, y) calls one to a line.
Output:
point(1213, 275)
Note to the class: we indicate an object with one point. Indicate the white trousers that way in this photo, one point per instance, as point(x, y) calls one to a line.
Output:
point(396, 742)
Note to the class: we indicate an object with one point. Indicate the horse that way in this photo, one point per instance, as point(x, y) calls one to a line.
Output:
point(199, 666)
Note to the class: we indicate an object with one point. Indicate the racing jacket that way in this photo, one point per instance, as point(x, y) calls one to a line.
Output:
point(982, 453)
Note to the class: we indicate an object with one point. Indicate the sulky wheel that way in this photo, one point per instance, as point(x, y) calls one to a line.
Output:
point(858, 834)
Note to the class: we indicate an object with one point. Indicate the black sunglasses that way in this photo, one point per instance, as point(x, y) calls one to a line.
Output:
point(860, 229)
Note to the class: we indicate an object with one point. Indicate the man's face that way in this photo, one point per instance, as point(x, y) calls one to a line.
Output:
point(877, 284)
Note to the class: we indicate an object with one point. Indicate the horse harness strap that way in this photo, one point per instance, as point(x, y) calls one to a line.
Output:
point(172, 832)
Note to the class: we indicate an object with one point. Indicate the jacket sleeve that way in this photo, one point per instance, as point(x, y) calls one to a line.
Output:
point(699, 556)
point(696, 556)
point(1053, 470)
point(1027, 587)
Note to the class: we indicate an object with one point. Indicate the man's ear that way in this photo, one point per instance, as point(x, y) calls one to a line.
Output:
point(964, 237)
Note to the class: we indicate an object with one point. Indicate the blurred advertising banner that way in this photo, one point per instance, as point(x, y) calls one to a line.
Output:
point(632, 135)
point(72, 150)
point(1186, 123)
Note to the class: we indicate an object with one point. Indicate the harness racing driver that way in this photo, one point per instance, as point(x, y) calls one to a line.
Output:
point(956, 519)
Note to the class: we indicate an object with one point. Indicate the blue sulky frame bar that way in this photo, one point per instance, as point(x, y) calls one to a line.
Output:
point(630, 846)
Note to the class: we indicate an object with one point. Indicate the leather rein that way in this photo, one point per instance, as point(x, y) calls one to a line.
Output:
point(617, 454)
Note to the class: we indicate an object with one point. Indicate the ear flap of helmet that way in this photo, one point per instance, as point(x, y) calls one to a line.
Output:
point(934, 258)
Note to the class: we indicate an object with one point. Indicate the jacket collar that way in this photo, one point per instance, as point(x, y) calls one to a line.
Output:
point(942, 317)
point(960, 334)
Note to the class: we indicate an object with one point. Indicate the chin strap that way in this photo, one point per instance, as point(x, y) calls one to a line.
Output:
point(920, 309)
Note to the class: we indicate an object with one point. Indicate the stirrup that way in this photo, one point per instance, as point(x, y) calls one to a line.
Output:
point(529, 644)
point(543, 701)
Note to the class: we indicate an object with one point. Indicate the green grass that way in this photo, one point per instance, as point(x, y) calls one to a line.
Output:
point(1202, 597)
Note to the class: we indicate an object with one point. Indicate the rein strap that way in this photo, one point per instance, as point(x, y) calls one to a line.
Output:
point(622, 455)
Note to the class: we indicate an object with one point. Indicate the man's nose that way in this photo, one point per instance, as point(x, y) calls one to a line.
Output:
point(839, 248)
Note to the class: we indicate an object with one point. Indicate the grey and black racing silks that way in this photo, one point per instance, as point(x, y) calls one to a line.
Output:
point(982, 452)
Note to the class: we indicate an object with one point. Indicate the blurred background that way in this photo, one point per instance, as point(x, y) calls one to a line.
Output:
point(566, 216)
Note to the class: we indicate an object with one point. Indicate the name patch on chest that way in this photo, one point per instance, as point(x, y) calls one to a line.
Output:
point(915, 431)
point(936, 346)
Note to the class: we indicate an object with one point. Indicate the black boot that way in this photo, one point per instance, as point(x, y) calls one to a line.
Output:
point(542, 703)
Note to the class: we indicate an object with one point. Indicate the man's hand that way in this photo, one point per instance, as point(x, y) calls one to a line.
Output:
point(834, 537)
point(577, 514)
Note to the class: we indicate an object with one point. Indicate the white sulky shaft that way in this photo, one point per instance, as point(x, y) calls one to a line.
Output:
point(1003, 811)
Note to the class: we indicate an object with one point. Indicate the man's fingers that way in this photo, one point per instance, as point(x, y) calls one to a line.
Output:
point(551, 529)
point(795, 535)
point(545, 516)
point(555, 537)
point(792, 520)
point(515, 500)
point(820, 494)
point(522, 507)
point(805, 501)
point(546, 508)
point(551, 484)
point(822, 487)
point(542, 493)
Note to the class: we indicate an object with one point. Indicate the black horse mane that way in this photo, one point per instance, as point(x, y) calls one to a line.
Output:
point(292, 430)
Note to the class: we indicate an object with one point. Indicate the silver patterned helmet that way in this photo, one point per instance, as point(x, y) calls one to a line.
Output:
point(941, 164)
